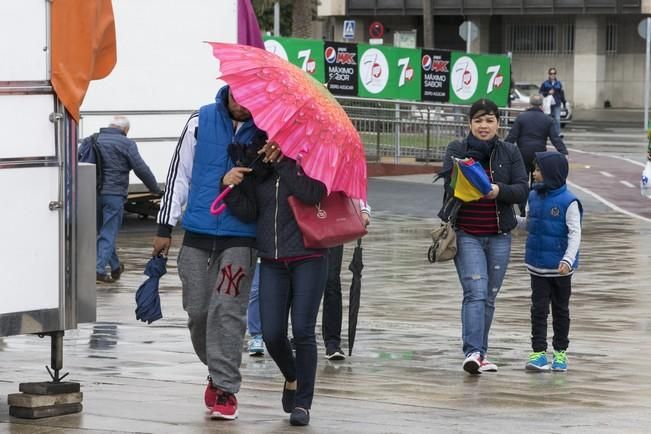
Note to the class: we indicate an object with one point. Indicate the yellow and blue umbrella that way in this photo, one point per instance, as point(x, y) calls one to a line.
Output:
point(469, 180)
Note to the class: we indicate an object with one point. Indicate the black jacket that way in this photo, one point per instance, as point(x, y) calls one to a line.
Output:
point(507, 171)
point(262, 198)
point(530, 132)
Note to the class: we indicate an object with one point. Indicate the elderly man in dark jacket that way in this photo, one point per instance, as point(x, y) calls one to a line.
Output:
point(530, 132)
point(119, 156)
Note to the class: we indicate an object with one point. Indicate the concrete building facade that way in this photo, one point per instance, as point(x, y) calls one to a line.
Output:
point(594, 44)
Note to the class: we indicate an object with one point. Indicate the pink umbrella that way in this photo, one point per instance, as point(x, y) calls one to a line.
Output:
point(298, 113)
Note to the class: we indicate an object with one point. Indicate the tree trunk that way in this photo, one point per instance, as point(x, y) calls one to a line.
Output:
point(302, 18)
point(428, 25)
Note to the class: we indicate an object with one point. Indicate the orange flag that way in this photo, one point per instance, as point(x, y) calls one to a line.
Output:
point(83, 48)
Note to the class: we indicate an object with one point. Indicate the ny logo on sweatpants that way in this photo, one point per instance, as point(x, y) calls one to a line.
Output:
point(230, 280)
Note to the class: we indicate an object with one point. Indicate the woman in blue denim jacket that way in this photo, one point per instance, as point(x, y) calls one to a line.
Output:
point(483, 228)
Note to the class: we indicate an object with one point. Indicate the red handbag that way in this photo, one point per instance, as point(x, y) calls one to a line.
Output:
point(336, 220)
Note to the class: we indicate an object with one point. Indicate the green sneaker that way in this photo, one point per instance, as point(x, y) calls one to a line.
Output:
point(537, 361)
point(560, 361)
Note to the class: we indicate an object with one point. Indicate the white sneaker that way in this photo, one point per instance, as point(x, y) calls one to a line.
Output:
point(487, 366)
point(335, 354)
point(472, 363)
point(256, 346)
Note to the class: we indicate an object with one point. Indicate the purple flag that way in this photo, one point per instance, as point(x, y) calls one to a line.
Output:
point(248, 30)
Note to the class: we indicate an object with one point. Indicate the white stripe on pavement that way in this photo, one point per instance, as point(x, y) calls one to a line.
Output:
point(599, 154)
point(628, 184)
point(607, 175)
point(608, 203)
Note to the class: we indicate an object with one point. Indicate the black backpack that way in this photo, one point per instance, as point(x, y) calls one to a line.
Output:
point(89, 153)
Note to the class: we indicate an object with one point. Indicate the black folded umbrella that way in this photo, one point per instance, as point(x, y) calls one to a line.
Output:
point(147, 298)
point(356, 266)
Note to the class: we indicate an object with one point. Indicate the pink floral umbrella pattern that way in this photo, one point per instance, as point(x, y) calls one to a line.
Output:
point(298, 113)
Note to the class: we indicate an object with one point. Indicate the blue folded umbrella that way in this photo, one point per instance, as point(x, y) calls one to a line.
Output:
point(147, 297)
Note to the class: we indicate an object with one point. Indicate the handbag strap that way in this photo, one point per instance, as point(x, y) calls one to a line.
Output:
point(357, 207)
point(453, 205)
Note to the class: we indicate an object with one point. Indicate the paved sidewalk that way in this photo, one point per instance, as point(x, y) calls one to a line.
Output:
point(632, 116)
point(405, 374)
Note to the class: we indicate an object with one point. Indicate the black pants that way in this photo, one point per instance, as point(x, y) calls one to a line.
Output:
point(556, 290)
point(331, 316)
point(295, 289)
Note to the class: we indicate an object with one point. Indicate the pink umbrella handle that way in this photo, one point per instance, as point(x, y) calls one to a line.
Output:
point(217, 206)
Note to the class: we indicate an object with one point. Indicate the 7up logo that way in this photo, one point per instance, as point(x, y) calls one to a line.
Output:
point(309, 64)
point(406, 71)
point(495, 79)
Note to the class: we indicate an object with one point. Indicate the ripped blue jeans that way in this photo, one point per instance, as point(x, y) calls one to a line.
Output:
point(481, 263)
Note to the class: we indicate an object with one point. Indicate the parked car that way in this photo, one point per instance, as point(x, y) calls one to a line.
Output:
point(520, 99)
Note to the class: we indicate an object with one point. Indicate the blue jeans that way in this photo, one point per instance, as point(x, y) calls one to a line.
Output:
point(253, 314)
point(556, 115)
point(295, 287)
point(481, 263)
point(112, 208)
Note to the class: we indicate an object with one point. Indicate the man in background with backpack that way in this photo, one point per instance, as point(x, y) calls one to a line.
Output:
point(115, 156)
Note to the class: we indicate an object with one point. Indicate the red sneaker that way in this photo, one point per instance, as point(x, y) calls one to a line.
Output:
point(210, 395)
point(225, 406)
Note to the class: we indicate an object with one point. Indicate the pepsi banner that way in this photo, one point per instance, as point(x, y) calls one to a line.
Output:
point(341, 68)
point(435, 82)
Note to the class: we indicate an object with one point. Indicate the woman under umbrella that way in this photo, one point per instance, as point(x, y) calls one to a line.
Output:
point(483, 227)
point(292, 277)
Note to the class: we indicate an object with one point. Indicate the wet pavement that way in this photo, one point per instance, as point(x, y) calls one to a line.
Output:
point(405, 374)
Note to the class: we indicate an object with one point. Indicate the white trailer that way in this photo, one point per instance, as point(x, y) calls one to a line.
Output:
point(47, 224)
point(164, 72)
point(46, 281)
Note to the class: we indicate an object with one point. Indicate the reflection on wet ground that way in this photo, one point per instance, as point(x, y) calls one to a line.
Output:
point(405, 373)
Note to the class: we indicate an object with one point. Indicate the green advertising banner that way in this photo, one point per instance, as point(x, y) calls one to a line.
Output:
point(397, 73)
point(307, 54)
point(389, 72)
point(474, 76)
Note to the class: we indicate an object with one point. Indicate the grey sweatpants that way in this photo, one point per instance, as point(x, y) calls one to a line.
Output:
point(215, 296)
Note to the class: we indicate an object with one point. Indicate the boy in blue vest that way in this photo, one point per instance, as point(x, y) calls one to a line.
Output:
point(552, 255)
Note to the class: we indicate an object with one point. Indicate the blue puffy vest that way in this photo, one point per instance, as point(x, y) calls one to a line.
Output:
point(547, 240)
point(211, 162)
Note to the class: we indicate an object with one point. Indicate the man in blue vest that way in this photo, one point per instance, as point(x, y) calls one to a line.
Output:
point(217, 260)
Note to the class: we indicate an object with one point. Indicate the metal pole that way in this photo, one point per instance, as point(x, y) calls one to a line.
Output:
point(277, 19)
point(377, 140)
point(428, 24)
point(468, 36)
point(428, 156)
point(56, 356)
point(396, 159)
point(647, 73)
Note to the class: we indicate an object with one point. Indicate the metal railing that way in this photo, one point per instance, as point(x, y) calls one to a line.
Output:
point(399, 131)
point(411, 131)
